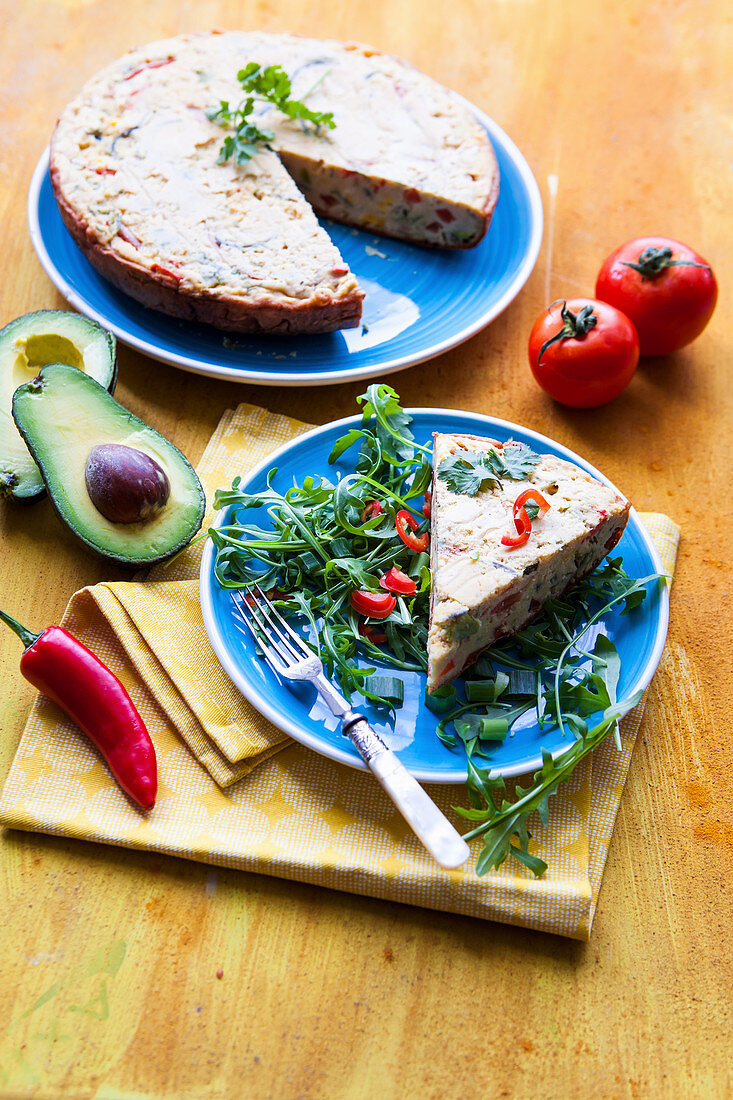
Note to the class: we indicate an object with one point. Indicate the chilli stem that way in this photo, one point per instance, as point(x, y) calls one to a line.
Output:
point(27, 637)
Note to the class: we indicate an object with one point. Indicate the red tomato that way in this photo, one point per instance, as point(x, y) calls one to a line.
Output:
point(667, 290)
point(397, 581)
point(582, 352)
point(375, 605)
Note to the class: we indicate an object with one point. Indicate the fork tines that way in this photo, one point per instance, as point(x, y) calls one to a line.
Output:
point(280, 640)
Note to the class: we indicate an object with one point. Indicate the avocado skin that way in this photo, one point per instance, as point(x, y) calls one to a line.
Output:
point(28, 322)
point(66, 486)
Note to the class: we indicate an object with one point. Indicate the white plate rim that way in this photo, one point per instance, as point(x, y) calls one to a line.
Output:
point(305, 378)
point(305, 737)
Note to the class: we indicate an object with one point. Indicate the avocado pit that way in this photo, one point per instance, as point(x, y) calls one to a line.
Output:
point(89, 450)
point(124, 484)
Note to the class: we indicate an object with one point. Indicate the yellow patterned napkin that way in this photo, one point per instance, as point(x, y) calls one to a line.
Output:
point(260, 802)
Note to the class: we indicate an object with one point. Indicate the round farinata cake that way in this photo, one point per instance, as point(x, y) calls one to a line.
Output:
point(136, 173)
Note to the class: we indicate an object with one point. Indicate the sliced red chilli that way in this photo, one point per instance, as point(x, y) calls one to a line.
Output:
point(148, 65)
point(406, 525)
point(129, 236)
point(373, 508)
point(167, 272)
point(522, 522)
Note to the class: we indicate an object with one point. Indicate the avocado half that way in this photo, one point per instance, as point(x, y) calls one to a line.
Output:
point(27, 344)
point(62, 415)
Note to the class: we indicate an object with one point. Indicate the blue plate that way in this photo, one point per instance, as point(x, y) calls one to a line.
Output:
point(419, 301)
point(638, 636)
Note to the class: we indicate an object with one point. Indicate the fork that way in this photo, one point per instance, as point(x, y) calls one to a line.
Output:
point(290, 658)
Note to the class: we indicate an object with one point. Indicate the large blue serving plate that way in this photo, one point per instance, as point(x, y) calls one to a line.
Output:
point(419, 301)
point(638, 636)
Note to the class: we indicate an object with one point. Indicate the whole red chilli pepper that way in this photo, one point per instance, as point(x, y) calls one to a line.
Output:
point(57, 664)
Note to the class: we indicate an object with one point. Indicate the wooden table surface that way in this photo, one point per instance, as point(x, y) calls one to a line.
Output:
point(109, 977)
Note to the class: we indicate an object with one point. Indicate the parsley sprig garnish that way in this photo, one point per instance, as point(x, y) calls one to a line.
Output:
point(271, 86)
point(471, 472)
point(316, 547)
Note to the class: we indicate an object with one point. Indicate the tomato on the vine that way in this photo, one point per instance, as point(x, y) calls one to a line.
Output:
point(583, 352)
point(667, 289)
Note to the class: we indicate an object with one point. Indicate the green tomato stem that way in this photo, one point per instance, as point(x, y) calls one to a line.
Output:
point(574, 326)
point(653, 261)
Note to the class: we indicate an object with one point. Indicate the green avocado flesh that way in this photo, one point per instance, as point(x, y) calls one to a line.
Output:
point(27, 344)
point(64, 414)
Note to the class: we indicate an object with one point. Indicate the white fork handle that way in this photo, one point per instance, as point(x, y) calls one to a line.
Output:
point(429, 824)
point(444, 843)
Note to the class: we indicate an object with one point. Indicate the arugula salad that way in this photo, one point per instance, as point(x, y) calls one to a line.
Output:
point(348, 559)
